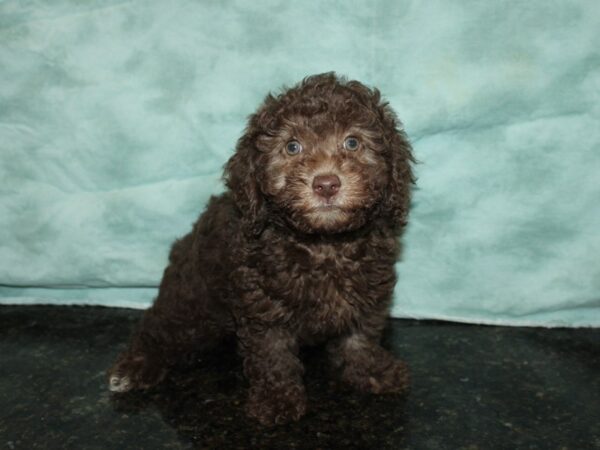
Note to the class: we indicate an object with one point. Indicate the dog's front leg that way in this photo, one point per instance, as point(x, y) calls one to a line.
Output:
point(365, 365)
point(271, 364)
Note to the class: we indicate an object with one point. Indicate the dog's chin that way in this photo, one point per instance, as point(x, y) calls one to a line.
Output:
point(328, 219)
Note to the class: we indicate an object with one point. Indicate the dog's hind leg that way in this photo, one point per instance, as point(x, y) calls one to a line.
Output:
point(182, 320)
point(157, 344)
point(143, 364)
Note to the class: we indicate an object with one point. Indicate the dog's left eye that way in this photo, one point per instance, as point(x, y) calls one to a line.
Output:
point(293, 147)
point(351, 143)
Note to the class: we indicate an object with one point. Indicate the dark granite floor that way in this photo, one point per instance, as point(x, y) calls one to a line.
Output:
point(473, 388)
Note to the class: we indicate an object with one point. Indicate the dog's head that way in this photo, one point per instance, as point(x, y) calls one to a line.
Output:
point(325, 156)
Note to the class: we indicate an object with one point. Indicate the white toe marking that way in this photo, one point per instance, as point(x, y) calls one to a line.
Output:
point(118, 384)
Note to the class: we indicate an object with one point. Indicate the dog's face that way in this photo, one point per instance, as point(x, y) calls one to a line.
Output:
point(324, 157)
point(325, 172)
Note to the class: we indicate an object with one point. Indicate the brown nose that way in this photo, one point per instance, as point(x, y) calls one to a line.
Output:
point(326, 185)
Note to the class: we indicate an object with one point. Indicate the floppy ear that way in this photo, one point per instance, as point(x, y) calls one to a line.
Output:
point(242, 177)
point(396, 201)
point(397, 197)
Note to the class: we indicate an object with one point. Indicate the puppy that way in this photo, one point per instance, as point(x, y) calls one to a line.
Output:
point(299, 250)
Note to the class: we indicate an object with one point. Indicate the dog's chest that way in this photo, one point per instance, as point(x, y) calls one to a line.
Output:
point(325, 289)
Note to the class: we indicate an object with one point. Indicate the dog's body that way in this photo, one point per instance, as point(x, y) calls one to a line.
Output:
point(300, 250)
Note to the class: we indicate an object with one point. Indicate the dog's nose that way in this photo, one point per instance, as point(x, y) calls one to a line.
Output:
point(326, 185)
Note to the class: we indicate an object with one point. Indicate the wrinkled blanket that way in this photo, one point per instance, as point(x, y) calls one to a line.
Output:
point(116, 118)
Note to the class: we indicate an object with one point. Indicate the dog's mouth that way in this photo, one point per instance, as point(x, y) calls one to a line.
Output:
point(329, 209)
point(327, 217)
point(334, 203)
point(328, 214)
point(326, 208)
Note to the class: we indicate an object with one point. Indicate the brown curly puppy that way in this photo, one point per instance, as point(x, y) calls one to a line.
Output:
point(299, 250)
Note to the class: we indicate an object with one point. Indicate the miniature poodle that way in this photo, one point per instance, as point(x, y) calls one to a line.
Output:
point(299, 250)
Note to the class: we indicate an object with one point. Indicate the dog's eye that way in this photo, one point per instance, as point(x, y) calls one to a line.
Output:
point(351, 143)
point(293, 147)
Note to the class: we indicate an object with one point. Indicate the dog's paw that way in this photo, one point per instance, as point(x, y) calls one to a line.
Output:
point(133, 373)
point(277, 406)
point(119, 384)
point(391, 380)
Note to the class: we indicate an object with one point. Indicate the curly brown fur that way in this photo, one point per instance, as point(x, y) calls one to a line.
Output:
point(299, 250)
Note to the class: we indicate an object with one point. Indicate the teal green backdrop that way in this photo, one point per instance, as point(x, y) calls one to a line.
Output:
point(116, 118)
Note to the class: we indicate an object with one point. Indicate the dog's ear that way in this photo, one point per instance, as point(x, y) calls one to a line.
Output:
point(397, 197)
point(242, 176)
point(396, 201)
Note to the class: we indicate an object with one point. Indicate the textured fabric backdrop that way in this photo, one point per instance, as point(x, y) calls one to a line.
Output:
point(116, 118)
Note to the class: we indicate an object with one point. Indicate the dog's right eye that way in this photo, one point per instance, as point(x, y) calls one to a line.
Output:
point(293, 147)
